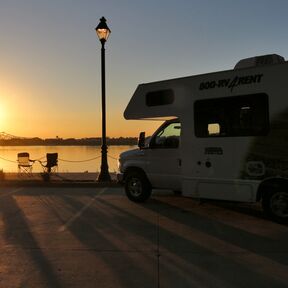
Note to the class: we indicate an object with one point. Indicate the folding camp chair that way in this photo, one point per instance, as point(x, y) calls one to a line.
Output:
point(24, 163)
point(51, 163)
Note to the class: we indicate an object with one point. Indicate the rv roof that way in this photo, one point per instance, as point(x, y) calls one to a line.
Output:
point(260, 61)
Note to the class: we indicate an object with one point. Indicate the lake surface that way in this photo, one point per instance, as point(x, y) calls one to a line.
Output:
point(70, 158)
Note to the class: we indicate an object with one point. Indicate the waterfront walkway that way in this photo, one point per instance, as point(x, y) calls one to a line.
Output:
point(61, 178)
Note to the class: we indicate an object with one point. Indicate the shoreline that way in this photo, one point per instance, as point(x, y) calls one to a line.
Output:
point(69, 142)
point(98, 145)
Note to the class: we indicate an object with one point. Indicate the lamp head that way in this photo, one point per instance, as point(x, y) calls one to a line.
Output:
point(103, 30)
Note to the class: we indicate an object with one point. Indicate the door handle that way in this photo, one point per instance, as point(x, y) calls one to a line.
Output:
point(208, 164)
point(179, 161)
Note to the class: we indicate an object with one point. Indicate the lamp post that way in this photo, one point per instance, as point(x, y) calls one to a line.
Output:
point(103, 32)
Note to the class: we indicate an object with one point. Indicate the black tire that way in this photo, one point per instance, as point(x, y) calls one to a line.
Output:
point(137, 186)
point(275, 205)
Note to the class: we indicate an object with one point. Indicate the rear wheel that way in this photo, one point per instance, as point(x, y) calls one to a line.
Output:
point(137, 186)
point(275, 204)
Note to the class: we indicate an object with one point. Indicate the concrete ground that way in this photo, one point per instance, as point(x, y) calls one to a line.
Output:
point(95, 237)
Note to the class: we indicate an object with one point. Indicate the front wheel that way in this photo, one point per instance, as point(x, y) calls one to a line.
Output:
point(137, 186)
point(275, 204)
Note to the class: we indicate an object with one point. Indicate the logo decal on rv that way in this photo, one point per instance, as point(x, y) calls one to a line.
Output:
point(232, 82)
point(213, 151)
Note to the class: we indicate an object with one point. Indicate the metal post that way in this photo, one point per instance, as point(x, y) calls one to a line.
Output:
point(104, 175)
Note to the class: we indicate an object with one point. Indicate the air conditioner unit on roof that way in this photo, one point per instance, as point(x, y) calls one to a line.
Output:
point(260, 61)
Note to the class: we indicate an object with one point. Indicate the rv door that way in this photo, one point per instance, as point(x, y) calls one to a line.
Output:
point(163, 155)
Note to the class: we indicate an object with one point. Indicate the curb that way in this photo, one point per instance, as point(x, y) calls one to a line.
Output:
point(31, 183)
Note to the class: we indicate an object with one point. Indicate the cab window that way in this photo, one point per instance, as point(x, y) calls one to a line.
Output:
point(167, 137)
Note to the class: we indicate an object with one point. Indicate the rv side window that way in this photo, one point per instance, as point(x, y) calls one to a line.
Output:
point(213, 129)
point(158, 98)
point(168, 137)
point(246, 115)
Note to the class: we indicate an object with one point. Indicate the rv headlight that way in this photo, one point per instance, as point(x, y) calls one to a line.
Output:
point(119, 164)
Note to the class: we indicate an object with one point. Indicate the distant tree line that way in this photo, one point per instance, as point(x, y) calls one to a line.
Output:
point(67, 142)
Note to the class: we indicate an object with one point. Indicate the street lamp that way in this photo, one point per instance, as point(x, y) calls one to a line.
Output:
point(103, 32)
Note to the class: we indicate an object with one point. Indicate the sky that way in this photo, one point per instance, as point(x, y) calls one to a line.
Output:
point(50, 56)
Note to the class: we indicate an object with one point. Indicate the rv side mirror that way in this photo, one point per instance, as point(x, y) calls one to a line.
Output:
point(141, 140)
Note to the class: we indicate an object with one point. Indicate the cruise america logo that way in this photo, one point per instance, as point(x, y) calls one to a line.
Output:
point(232, 82)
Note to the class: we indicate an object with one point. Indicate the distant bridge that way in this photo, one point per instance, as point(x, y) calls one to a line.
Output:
point(6, 136)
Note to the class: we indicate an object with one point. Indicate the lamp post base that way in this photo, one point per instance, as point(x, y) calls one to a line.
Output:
point(104, 175)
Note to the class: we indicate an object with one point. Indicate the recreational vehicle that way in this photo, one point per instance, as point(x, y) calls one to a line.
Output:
point(225, 136)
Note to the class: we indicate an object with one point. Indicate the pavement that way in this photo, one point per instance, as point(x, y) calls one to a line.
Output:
point(95, 237)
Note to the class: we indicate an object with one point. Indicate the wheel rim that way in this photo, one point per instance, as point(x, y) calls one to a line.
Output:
point(135, 187)
point(279, 204)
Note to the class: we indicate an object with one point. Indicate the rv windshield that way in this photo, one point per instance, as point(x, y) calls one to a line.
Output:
point(167, 137)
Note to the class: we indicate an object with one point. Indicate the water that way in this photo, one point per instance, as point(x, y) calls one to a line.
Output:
point(8, 157)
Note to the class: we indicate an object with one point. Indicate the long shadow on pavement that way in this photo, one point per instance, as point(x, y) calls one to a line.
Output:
point(206, 266)
point(178, 239)
point(19, 236)
point(105, 236)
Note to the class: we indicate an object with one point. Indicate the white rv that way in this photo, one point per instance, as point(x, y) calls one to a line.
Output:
point(226, 136)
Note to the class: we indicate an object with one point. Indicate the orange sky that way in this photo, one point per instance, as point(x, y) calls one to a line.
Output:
point(50, 68)
point(24, 112)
